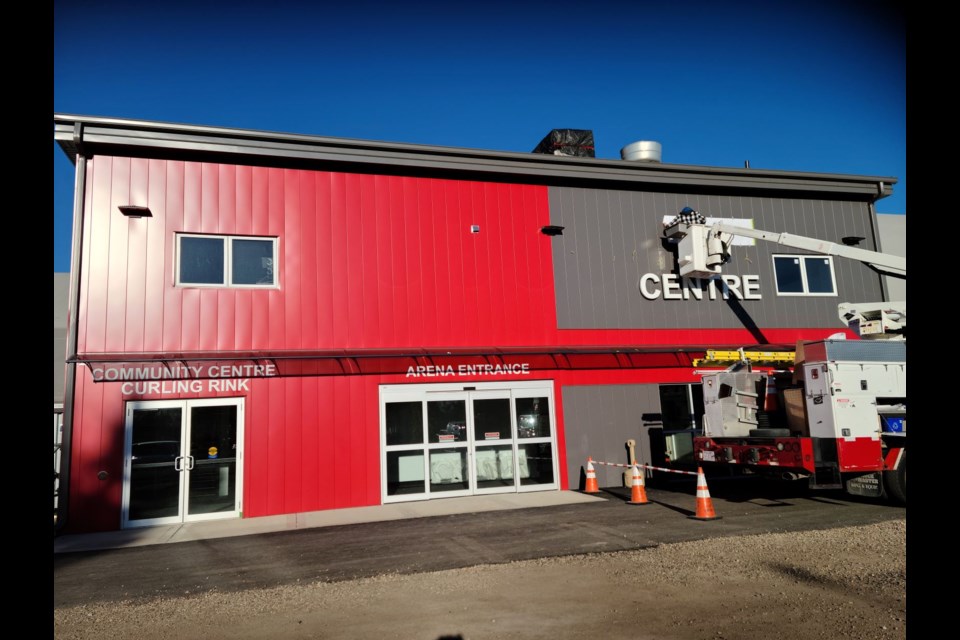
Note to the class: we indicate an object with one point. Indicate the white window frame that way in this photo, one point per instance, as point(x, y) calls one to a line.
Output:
point(803, 275)
point(186, 427)
point(438, 391)
point(227, 261)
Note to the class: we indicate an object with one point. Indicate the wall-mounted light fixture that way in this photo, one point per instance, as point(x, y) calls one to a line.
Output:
point(474, 228)
point(852, 241)
point(132, 211)
point(551, 230)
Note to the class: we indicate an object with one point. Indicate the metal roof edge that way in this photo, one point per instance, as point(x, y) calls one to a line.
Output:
point(96, 135)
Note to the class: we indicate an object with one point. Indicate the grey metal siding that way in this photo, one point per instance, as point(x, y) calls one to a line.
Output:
point(611, 239)
point(599, 419)
point(893, 240)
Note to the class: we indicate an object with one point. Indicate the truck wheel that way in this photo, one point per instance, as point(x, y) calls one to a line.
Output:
point(895, 481)
point(769, 433)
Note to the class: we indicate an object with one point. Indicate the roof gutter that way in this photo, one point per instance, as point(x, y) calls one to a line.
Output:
point(114, 136)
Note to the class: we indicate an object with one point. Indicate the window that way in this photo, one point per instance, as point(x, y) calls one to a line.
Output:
point(226, 261)
point(804, 275)
point(681, 406)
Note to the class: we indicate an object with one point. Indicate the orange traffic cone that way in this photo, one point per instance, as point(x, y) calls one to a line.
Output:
point(770, 400)
point(591, 486)
point(704, 503)
point(638, 492)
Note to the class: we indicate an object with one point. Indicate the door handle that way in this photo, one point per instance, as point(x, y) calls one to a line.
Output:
point(190, 463)
point(178, 463)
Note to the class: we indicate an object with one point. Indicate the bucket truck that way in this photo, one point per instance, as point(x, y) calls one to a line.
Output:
point(838, 419)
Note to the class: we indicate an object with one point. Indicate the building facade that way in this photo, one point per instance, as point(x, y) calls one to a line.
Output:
point(268, 323)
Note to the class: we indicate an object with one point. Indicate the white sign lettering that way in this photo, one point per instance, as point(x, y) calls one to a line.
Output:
point(432, 371)
point(182, 372)
point(142, 380)
point(166, 387)
point(670, 286)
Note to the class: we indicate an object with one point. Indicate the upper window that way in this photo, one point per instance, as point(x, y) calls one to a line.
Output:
point(226, 261)
point(805, 275)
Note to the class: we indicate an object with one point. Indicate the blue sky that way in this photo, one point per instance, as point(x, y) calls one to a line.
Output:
point(793, 85)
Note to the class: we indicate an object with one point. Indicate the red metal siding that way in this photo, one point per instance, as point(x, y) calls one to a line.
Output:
point(310, 452)
point(172, 217)
point(135, 294)
point(155, 278)
point(365, 261)
point(118, 275)
point(256, 442)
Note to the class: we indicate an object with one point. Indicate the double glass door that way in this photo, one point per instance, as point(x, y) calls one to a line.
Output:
point(183, 461)
point(440, 442)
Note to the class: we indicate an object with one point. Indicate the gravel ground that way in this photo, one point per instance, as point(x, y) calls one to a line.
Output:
point(846, 584)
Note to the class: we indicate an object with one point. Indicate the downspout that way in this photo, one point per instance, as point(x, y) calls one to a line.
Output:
point(69, 391)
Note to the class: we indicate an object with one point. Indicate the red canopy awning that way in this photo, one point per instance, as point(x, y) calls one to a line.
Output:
point(111, 367)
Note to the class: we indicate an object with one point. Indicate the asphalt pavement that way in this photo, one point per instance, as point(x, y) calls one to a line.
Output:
point(433, 536)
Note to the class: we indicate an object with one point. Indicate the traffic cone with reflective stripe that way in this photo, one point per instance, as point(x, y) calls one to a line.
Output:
point(638, 492)
point(771, 402)
point(704, 503)
point(591, 486)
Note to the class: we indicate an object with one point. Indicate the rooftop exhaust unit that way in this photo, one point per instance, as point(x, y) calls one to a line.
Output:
point(567, 142)
point(642, 151)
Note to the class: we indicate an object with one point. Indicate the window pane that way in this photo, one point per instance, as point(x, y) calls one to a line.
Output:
point(213, 445)
point(491, 419)
point(819, 275)
point(201, 260)
point(675, 407)
point(404, 422)
point(405, 473)
point(533, 418)
point(447, 421)
point(536, 464)
point(252, 261)
point(788, 274)
point(154, 482)
point(448, 470)
point(494, 466)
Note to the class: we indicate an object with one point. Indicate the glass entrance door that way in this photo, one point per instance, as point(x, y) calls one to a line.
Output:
point(448, 444)
point(439, 441)
point(183, 461)
point(154, 483)
point(493, 442)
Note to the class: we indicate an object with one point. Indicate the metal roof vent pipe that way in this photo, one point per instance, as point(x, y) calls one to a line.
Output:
point(642, 151)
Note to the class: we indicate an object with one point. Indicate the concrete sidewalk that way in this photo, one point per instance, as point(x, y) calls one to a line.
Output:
point(192, 531)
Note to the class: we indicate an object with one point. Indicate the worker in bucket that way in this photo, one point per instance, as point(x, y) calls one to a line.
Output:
point(688, 215)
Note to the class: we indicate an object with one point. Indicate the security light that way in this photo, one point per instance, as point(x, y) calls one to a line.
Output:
point(132, 211)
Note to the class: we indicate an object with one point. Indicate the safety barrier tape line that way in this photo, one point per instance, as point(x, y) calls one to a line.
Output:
point(645, 466)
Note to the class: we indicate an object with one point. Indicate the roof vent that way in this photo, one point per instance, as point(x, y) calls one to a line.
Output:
point(642, 151)
point(567, 142)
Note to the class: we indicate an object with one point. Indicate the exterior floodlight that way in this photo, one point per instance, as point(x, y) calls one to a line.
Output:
point(132, 211)
point(551, 230)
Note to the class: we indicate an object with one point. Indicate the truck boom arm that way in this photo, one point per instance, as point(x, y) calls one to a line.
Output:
point(704, 247)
